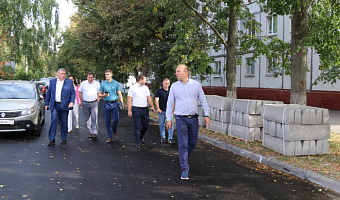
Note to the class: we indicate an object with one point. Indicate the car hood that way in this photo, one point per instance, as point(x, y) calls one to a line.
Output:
point(16, 104)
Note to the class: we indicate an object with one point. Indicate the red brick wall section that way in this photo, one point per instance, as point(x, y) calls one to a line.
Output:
point(322, 99)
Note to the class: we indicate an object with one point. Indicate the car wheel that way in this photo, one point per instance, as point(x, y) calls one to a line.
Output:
point(37, 132)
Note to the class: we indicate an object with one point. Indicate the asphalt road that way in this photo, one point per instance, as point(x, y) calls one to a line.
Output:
point(86, 169)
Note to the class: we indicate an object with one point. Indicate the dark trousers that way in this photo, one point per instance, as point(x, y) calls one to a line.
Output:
point(141, 120)
point(187, 134)
point(57, 114)
point(111, 107)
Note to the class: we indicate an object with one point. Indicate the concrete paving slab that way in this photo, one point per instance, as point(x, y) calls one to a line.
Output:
point(334, 120)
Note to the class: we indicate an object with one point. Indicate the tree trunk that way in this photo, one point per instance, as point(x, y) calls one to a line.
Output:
point(231, 53)
point(298, 64)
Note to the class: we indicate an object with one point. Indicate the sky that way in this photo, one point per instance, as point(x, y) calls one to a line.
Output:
point(66, 9)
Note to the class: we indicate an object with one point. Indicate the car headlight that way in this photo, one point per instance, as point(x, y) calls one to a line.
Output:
point(28, 111)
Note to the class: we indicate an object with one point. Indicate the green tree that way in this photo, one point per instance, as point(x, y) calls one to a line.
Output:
point(184, 38)
point(314, 23)
point(222, 18)
point(110, 34)
point(26, 30)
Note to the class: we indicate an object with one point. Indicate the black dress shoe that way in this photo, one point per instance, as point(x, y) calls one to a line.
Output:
point(51, 143)
point(63, 141)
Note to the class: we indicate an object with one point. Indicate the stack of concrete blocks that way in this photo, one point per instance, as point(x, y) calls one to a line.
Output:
point(201, 121)
point(292, 129)
point(246, 120)
point(220, 108)
point(219, 112)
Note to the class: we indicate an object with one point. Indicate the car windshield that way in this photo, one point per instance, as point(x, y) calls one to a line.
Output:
point(16, 91)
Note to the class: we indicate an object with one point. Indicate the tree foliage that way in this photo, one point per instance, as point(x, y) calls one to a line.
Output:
point(110, 34)
point(132, 36)
point(315, 24)
point(27, 31)
point(324, 36)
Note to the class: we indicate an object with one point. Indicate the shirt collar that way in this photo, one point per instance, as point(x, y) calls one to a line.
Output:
point(186, 81)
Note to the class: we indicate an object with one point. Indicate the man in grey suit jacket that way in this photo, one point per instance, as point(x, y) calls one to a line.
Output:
point(59, 99)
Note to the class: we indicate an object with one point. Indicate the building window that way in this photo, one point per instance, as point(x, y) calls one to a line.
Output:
point(250, 67)
point(272, 25)
point(217, 68)
point(270, 68)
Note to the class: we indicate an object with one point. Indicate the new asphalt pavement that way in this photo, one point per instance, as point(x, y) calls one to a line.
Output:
point(87, 169)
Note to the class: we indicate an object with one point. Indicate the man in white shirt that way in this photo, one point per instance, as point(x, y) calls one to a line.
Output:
point(137, 101)
point(88, 93)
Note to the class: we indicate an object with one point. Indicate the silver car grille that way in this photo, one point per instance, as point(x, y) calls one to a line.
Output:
point(9, 114)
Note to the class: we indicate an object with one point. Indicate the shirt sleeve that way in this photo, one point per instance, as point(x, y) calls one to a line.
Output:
point(81, 87)
point(118, 86)
point(101, 88)
point(203, 100)
point(157, 93)
point(130, 93)
point(170, 105)
point(147, 91)
point(98, 86)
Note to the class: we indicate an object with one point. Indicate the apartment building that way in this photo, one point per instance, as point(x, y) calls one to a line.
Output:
point(255, 80)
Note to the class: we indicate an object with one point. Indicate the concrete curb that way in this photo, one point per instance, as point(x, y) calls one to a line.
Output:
point(273, 163)
point(276, 164)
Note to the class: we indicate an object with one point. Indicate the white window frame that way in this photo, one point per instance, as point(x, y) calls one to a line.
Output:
point(217, 68)
point(250, 67)
point(271, 22)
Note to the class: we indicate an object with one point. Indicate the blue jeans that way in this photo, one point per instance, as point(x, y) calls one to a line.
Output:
point(162, 122)
point(57, 114)
point(187, 134)
point(141, 120)
point(108, 109)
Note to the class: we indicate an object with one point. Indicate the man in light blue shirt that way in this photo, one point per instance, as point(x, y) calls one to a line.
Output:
point(185, 94)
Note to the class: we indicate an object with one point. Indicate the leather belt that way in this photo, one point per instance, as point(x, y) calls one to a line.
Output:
point(90, 101)
point(140, 107)
point(190, 116)
point(111, 101)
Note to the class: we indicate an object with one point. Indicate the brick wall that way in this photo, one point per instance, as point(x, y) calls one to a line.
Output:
point(322, 99)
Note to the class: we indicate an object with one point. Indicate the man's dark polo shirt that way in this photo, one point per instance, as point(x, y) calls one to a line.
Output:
point(163, 98)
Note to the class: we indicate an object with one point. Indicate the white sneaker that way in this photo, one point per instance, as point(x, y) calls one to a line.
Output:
point(69, 131)
point(77, 127)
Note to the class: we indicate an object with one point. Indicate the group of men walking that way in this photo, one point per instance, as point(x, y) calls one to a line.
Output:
point(181, 100)
point(65, 94)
